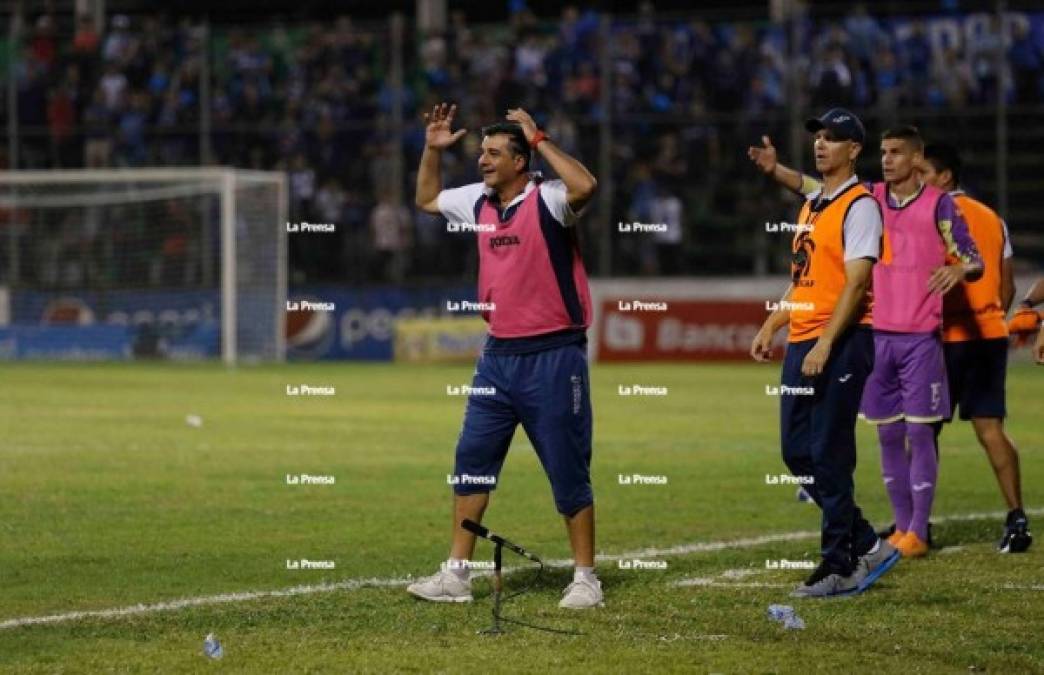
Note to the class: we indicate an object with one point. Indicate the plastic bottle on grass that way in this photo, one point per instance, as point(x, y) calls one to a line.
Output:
point(212, 648)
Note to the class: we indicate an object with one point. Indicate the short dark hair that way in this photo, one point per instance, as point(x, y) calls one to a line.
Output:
point(908, 133)
point(518, 143)
point(943, 157)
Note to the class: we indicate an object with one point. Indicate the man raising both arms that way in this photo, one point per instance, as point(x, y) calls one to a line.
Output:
point(830, 351)
point(927, 251)
point(533, 367)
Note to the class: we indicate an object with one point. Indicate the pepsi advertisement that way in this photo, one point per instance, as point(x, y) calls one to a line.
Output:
point(334, 323)
point(322, 323)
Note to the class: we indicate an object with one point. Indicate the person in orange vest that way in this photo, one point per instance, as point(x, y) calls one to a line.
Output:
point(927, 251)
point(830, 355)
point(975, 339)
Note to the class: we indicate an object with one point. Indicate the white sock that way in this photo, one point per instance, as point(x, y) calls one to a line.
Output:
point(459, 567)
point(584, 574)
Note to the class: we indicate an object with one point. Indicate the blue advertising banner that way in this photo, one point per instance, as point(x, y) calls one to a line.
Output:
point(113, 325)
point(66, 343)
point(323, 322)
point(359, 324)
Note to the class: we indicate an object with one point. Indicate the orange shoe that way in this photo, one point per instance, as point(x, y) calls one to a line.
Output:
point(894, 538)
point(911, 546)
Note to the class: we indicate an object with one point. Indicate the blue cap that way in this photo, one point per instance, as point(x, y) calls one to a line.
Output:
point(842, 124)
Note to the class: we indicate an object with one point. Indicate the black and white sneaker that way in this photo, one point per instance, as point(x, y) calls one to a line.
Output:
point(826, 582)
point(1017, 537)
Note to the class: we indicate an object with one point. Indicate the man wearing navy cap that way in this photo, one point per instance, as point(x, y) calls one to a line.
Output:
point(830, 353)
point(842, 125)
point(927, 251)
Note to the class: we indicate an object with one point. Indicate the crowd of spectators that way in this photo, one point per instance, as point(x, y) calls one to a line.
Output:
point(316, 100)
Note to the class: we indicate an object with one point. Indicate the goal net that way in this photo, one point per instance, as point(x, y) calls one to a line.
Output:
point(143, 263)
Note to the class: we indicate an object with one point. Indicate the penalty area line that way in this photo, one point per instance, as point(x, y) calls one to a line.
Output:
point(392, 582)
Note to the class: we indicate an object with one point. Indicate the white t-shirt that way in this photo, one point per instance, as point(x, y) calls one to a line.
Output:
point(457, 205)
point(863, 227)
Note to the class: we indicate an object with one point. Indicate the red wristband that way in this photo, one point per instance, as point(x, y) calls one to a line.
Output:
point(537, 137)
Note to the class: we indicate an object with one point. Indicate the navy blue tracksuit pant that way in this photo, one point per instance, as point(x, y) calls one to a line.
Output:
point(548, 393)
point(818, 439)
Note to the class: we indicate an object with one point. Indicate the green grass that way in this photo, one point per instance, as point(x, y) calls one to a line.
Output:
point(108, 498)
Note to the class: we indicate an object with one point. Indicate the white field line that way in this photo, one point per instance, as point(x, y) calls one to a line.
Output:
point(723, 580)
point(704, 581)
point(1023, 587)
point(373, 582)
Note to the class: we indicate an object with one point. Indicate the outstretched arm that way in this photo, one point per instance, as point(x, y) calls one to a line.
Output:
point(437, 138)
point(765, 159)
point(580, 184)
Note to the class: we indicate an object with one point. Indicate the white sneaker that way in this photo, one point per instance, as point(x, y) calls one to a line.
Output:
point(442, 587)
point(582, 594)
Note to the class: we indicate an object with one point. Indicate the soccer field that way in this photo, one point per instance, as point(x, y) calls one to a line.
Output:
point(111, 500)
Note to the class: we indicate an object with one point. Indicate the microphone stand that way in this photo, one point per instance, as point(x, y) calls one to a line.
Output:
point(498, 588)
point(498, 581)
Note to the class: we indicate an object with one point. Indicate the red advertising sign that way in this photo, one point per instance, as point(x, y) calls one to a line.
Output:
point(678, 330)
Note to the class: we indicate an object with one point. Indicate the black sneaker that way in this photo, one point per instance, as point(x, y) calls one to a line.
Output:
point(1017, 537)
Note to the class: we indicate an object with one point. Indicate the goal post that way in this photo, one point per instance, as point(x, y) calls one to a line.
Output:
point(188, 262)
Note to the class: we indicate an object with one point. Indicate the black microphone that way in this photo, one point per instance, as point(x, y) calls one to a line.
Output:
point(476, 529)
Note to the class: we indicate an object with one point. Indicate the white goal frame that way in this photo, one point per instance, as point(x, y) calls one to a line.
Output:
point(223, 181)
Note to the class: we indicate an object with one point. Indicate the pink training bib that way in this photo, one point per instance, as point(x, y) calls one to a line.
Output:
point(531, 272)
point(913, 249)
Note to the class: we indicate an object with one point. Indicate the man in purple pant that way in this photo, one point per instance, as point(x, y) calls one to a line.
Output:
point(927, 251)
